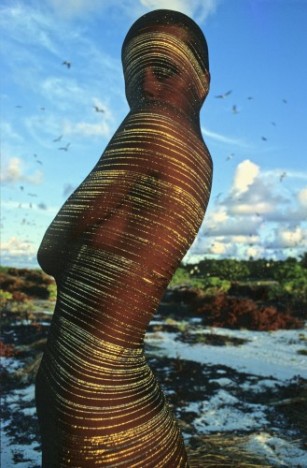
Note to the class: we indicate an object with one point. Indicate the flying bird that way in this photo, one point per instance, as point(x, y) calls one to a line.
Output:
point(64, 148)
point(218, 195)
point(66, 63)
point(250, 98)
point(59, 138)
point(230, 157)
point(282, 176)
point(235, 109)
point(222, 96)
point(264, 138)
point(284, 101)
point(99, 109)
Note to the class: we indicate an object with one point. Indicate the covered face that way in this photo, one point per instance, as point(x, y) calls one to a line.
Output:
point(165, 60)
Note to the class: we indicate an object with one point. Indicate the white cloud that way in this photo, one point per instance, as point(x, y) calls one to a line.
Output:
point(255, 252)
point(86, 128)
point(8, 133)
point(13, 172)
point(241, 239)
point(18, 252)
point(260, 208)
point(16, 247)
point(45, 130)
point(63, 91)
point(302, 197)
point(298, 175)
point(291, 238)
point(199, 9)
point(73, 8)
point(230, 225)
point(29, 26)
point(245, 175)
point(223, 138)
point(218, 248)
point(259, 217)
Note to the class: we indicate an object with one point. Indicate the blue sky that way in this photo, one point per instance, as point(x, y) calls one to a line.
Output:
point(256, 134)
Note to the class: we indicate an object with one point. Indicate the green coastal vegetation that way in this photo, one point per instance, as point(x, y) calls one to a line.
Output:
point(212, 286)
point(285, 279)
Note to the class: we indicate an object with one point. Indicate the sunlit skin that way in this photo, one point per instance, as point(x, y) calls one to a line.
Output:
point(113, 248)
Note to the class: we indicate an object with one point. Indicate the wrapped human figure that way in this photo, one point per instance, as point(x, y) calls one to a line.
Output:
point(113, 248)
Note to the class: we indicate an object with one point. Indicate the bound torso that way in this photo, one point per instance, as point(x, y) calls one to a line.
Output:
point(157, 171)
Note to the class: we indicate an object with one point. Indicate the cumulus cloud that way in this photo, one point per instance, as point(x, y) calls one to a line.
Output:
point(16, 247)
point(18, 252)
point(13, 172)
point(230, 226)
point(258, 217)
point(254, 193)
point(218, 248)
point(241, 239)
point(289, 238)
point(302, 197)
point(255, 251)
point(245, 175)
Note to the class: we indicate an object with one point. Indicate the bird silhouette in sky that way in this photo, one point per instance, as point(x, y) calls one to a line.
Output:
point(284, 101)
point(282, 176)
point(64, 148)
point(230, 157)
point(250, 98)
point(99, 109)
point(218, 195)
point(235, 109)
point(59, 138)
point(224, 95)
point(264, 138)
point(66, 63)
point(37, 160)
